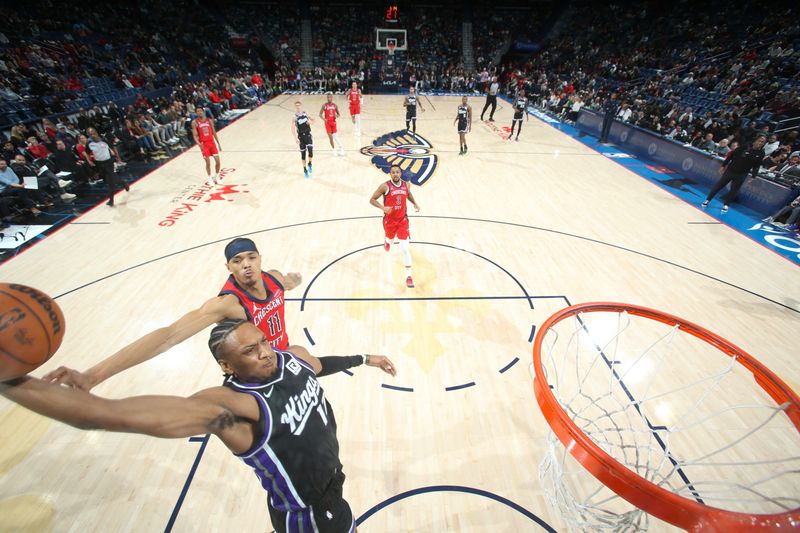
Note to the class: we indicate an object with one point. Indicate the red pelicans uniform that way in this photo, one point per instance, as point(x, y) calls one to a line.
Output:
point(206, 137)
point(266, 315)
point(396, 222)
point(330, 117)
point(355, 101)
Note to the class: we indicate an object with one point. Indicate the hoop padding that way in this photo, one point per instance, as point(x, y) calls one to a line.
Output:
point(685, 512)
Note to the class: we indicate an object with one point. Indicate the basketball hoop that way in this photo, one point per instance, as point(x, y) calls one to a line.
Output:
point(642, 401)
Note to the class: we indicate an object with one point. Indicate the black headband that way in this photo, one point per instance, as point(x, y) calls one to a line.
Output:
point(237, 246)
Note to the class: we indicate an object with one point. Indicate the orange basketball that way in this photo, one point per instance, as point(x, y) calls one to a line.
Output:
point(31, 329)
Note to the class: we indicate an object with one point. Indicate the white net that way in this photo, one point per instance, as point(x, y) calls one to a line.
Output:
point(670, 407)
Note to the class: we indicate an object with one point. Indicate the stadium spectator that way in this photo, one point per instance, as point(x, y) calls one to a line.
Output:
point(722, 148)
point(792, 209)
point(64, 159)
point(13, 195)
point(36, 150)
point(48, 183)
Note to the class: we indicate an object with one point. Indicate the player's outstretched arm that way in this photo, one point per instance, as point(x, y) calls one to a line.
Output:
point(149, 346)
point(324, 366)
point(159, 416)
point(288, 281)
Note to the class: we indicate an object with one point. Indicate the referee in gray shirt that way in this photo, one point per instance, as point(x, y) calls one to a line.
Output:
point(491, 99)
point(102, 153)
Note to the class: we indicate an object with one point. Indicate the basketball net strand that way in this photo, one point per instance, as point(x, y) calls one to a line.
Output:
point(620, 423)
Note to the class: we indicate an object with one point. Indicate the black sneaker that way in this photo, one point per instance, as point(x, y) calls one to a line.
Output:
point(110, 203)
point(704, 204)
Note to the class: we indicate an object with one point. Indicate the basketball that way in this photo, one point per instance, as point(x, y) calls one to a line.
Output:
point(31, 329)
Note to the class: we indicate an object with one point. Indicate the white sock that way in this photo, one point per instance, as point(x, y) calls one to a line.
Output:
point(408, 271)
point(358, 123)
point(336, 140)
point(406, 254)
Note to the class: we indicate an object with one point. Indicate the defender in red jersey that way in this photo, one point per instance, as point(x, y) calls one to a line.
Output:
point(205, 135)
point(329, 112)
point(396, 193)
point(354, 97)
point(248, 294)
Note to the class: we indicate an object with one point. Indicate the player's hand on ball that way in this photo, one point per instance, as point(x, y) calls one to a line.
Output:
point(382, 362)
point(69, 377)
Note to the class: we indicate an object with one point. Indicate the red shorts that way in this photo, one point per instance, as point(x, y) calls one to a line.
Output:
point(396, 228)
point(209, 148)
point(355, 109)
point(330, 127)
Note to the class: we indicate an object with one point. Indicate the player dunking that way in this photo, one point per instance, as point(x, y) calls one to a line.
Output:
point(301, 129)
point(355, 96)
point(328, 112)
point(395, 192)
point(410, 103)
point(205, 135)
point(464, 119)
point(271, 412)
point(520, 108)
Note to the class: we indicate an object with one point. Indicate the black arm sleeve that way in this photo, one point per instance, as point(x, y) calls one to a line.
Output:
point(333, 364)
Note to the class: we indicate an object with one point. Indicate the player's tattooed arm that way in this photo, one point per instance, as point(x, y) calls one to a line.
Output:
point(225, 420)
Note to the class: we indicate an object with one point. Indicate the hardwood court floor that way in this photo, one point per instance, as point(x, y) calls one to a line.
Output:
point(546, 217)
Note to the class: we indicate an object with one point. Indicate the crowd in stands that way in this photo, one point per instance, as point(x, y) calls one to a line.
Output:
point(74, 69)
point(57, 65)
point(344, 36)
point(715, 78)
point(436, 36)
point(145, 129)
point(493, 34)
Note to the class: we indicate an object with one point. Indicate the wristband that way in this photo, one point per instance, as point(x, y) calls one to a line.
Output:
point(333, 364)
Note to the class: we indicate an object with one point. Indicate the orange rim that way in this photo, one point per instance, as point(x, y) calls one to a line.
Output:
point(661, 503)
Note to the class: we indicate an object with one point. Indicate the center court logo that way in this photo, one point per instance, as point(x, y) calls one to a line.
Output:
point(411, 152)
point(193, 197)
